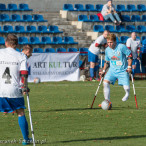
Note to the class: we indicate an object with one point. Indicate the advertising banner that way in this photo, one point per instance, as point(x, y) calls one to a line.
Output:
point(54, 67)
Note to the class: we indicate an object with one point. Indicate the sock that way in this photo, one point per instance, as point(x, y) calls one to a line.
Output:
point(133, 72)
point(106, 91)
point(91, 72)
point(23, 126)
point(95, 70)
point(127, 90)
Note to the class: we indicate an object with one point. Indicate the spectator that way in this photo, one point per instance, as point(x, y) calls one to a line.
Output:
point(134, 45)
point(108, 12)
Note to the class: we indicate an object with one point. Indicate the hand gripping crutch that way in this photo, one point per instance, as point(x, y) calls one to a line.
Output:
point(134, 90)
point(97, 91)
point(30, 119)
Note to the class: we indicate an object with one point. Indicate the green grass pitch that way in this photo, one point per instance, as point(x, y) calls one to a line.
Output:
point(62, 116)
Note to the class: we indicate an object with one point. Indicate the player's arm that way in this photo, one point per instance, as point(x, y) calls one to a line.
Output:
point(106, 66)
point(24, 77)
point(130, 58)
point(100, 45)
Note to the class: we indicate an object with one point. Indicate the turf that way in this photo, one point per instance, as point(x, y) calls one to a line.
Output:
point(62, 116)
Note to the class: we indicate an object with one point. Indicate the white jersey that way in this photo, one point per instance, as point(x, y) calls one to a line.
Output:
point(100, 40)
point(133, 44)
point(11, 63)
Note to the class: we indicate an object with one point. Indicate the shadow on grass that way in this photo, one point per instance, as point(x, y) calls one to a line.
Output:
point(103, 138)
point(79, 109)
point(69, 109)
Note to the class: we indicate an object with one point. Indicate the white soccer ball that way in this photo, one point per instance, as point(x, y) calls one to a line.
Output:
point(82, 78)
point(106, 105)
point(37, 80)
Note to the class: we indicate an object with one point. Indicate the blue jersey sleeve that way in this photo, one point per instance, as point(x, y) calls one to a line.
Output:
point(125, 50)
point(106, 55)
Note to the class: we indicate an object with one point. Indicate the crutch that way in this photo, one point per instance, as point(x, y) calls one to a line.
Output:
point(30, 119)
point(134, 90)
point(140, 65)
point(97, 91)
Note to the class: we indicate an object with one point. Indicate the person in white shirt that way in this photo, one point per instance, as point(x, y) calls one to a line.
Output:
point(94, 51)
point(13, 68)
point(134, 45)
point(108, 12)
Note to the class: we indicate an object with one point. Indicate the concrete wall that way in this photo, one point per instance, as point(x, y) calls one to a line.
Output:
point(56, 5)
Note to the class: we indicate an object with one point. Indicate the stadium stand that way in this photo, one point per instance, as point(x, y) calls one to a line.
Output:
point(49, 50)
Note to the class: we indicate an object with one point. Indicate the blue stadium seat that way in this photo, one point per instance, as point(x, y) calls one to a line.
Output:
point(57, 40)
point(2, 7)
point(80, 63)
point(98, 7)
point(89, 7)
point(72, 50)
point(144, 42)
point(42, 29)
point(2, 41)
point(68, 7)
point(143, 38)
point(83, 51)
point(15, 17)
point(130, 28)
point(79, 7)
point(98, 28)
point(34, 40)
point(94, 18)
point(8, 28)
point(141, 28)
point(19, 29)
point(135, 18)
point(49, 50)
point(82, 18)
point(24, 7)
point(23, 40)
point(4, 17)
point(27, 18)
point(18, 50)
point(46, 40)
point(39, 18)
point(143, 18)
point(120, 8)
point(123, 39)
point(31, 29)
point(54, 29)
point(110, 28)
point(141, 7)
point(126, 18)
point(0, 29)
point(12, 7)
point(60, 50)
point(69, 40)
point(120, 28)
point(138, 37)
point(117, 39)
point(38, 50)
point(131, 7)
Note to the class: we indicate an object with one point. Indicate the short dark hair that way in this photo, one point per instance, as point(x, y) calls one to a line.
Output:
point(111, 36)
point(12, 40)
point(27, 47)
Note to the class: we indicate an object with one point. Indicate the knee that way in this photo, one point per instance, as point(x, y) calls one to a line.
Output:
point(20, 112)
point(106, 83)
